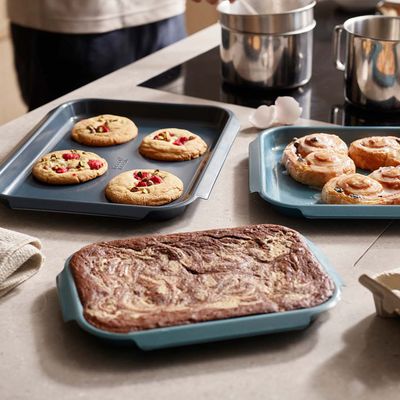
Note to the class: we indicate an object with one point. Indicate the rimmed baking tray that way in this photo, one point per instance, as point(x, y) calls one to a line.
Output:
point(270, 179)
point(217, 126)
point(201, 332)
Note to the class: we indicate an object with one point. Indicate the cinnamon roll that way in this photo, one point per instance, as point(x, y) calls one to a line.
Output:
point(317, 141)
point(376, 151)
point(388, 177)
point(318, 167)
point(353, 189)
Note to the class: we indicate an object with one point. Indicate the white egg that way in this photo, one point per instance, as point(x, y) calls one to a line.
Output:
point(288, 110)
point(263, 117)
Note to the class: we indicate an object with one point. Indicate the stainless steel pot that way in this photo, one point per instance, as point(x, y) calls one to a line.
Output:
point(272, 49)
point(372, 61)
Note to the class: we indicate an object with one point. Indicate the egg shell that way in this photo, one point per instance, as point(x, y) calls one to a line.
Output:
point(288, 110)
point(263, 117)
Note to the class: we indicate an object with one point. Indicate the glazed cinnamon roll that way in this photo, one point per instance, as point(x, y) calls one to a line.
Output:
point(318, 167)
point(353, 189)
point(376, 151)
point(317, 141)
point(388, 177)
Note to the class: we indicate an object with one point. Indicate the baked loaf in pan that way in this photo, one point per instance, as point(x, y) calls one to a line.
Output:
point(158, 281)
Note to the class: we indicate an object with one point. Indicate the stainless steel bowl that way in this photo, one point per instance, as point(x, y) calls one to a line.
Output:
point(274, 16)
point(270, 50)
point(372, 61)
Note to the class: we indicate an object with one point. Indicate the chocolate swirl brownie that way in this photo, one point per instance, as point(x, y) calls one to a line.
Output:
point(156, 281)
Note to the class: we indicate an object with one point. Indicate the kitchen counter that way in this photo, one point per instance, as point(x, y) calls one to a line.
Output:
point(347, 353)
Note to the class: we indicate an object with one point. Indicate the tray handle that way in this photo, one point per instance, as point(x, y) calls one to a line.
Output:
point(218, 159)
point(255, 169)
point(8, 171)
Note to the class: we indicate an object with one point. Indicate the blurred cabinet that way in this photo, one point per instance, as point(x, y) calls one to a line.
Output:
point(11, 105)
point(3, 20)
point(199, 15)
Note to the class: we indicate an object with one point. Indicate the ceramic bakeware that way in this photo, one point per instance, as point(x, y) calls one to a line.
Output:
point(270, 179)
point(217, 126)
point(385, 288)
point(224, 329)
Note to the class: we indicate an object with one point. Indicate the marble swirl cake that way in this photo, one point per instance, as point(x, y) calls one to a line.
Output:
point(157, 281)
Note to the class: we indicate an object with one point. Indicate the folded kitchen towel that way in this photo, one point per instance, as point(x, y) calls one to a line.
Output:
point(20, 258)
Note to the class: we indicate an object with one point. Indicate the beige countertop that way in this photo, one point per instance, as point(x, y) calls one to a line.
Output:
point(348, 353)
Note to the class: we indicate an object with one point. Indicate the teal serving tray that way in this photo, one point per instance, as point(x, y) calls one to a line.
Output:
point(270, 179)
point(202, 332)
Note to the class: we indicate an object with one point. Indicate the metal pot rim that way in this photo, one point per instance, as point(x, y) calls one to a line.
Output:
point(296, 10)
point(368, 17)
point(296, 32)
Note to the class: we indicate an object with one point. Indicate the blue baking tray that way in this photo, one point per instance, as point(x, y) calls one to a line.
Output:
point(202, 332)
point(270, 179)
point(217, 126)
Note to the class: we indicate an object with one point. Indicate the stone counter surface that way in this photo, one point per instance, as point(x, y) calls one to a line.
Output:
point(348, 353)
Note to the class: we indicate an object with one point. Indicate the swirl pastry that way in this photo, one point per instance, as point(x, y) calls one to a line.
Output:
point(317, 141)
point(353, 189)
point(376, 151)
point(388, 177)
point(317, 167)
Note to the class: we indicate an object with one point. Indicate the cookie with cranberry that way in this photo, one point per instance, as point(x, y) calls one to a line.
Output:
point(66, 167)
point(172, 145)
point(104, 130)
point(145, 187)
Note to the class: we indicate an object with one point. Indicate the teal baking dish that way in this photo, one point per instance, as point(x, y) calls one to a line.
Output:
point(268, 177)
point(181, 335)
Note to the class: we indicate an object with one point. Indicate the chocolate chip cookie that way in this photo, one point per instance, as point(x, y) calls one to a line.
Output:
point(104, 130)
point(146, 187)
point(172, 144)
point(65, 167)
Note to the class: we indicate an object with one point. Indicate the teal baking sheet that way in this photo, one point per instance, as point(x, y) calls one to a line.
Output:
point(269, 178)
point(202, 332)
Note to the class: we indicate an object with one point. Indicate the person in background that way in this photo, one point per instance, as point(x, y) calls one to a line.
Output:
point(60, 45)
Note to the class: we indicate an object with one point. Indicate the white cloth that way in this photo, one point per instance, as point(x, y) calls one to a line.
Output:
point(20, 258)
point(90, 16)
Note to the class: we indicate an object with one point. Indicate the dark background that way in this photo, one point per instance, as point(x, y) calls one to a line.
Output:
point(322, 99)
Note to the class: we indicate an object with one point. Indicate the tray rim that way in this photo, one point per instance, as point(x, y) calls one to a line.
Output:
point(65, 283)
point(230, 130)
point(313, 211)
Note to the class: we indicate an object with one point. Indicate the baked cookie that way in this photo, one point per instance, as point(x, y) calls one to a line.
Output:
point(104, 130)
point(317, 141)
point(67, 167)
point(374, 152)
point(172, 145)
point(353, 189)
point(317, 167)
point(145, 187)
